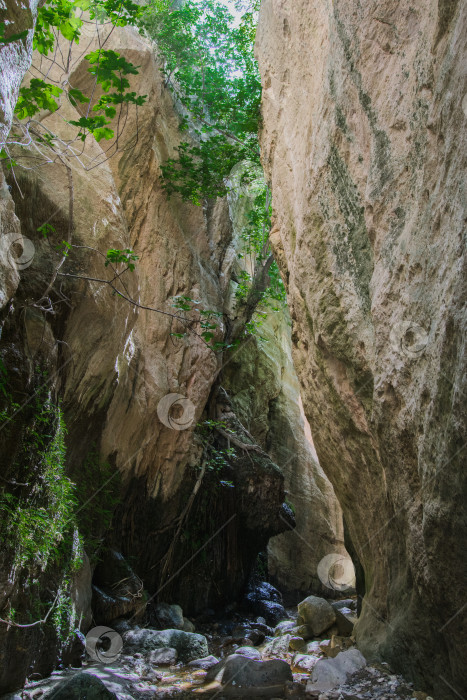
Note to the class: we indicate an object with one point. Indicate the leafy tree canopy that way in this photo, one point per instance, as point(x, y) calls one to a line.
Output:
point(209, 65)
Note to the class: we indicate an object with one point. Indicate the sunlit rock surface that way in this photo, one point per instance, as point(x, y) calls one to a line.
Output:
point(364, 144)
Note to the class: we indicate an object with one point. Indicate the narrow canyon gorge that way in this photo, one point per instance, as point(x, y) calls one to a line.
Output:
point(233, 394)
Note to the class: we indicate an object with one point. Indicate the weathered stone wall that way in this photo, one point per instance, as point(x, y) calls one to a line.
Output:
point(15, 56)
point(111, 362)
point(265, 394)
point(364, 144)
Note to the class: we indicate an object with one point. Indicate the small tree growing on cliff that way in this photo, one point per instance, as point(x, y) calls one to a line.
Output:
point(209, 65)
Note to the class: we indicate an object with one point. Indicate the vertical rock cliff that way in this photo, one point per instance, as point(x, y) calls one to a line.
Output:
point(364, 144)
point(84, 377)
point(265, 393)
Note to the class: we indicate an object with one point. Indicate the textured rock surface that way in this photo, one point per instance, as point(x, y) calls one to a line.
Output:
point(240, 675)
point(317, 613)
point(83, 685)
point(265, 394)
point(328, 673)
point(188, 646)
point(15, 56)
point(111, 364)
point(364, 144)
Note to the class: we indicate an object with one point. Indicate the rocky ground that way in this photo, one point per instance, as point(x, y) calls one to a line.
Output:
point(311, 654)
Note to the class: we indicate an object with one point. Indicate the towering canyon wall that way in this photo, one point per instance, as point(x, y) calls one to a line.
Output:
point(364, 138)
point(108, 363)
point(263, 386)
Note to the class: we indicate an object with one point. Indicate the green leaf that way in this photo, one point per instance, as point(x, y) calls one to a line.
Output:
point(39, 95)
point(76, 96)
point(46, 229)
point(103, 133)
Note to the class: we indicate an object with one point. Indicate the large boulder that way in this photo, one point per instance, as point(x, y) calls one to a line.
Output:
point(345, 621)
point(317, 613)
point(272, 612)
point(363, 140)
point(165, 656)
point(82, 686)
point(116, 591)
point(329, 673)
point(283, 627)
point(243, 677)
point(266, 600)
point(167, 616)
point(249, 653)
point(265, 591)
point(189, 646)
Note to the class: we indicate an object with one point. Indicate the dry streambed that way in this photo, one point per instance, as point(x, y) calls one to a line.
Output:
point(312, 655)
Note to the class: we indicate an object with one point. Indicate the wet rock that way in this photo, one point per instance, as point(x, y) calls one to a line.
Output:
point(265, 600)
point(204, 664)
point(255, 636)
point(189, 646)
point(166, 656)
point(257, 678)
point(283, 627)
point(265, 591)
point(165, 616)
point(121, 625)
point(263, 627)
point(329, 673)
point(317, 613)
point(272, 612)
point(249, 653)
point(81, 686)
point(81, 593)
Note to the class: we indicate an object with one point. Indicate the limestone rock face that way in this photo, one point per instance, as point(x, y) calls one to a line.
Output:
point(265, 394)
point(111, 362)
point(15, 56)
point(364, 144)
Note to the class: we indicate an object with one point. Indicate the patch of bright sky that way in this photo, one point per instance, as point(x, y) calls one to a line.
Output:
point(230, 4)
